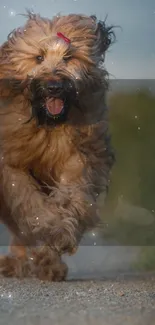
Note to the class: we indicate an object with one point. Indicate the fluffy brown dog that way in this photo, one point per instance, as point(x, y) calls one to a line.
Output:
point(55, 150)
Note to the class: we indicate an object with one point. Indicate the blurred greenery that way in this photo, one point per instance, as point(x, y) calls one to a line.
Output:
point(146, 259)
point(132, 126)
point(130, 204)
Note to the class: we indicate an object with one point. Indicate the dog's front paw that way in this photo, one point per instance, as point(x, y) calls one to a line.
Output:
point(48, 265)
point(63, 237)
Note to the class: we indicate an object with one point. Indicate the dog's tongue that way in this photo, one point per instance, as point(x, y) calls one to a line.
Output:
point(54, 105)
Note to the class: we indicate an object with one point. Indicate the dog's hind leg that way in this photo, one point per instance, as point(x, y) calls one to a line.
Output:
point(16, 264)
point(17, 248)
point(42, 263)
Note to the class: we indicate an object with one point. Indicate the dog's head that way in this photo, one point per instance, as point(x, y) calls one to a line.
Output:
point(54, 61)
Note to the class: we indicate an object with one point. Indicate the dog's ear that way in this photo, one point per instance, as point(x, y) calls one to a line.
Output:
point(4, 64)
point(3, 51)
point(105, 35)
point(4, 59)
point(8, 84)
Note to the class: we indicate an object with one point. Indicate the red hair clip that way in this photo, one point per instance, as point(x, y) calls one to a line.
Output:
point(60, 35)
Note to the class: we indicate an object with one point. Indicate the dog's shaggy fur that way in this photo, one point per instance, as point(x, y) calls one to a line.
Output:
point(52, 173)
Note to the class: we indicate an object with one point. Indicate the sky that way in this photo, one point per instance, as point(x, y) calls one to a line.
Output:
point(133, 54)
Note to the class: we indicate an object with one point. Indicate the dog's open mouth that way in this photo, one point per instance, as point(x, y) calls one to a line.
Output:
point(52, 100)
point(54, 106)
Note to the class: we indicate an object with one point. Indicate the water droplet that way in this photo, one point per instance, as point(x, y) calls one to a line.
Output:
point(31, 258)
point(13, 184)
point(153, 211)
point(93, 234)
point(12, 13)
point(136, 116)
point(7, 295)
point(19, 119)
point(37, 218)
point(138, 128)
point(91, 204)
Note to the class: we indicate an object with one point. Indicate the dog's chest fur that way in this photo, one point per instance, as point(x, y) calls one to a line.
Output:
point(44, 152)
point(49, 153)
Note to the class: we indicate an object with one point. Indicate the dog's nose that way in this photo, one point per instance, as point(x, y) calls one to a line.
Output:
point(54, 71)
point(54, 85)
point(59, 87)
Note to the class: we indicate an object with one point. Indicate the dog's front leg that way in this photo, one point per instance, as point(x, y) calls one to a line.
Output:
point(76, 204)
point(58, 220)
point(27, 206)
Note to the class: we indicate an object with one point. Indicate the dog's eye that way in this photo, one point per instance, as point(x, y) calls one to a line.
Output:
point(39, 58)
point(66, 58)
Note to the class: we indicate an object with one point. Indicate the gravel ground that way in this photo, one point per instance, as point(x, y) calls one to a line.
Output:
point(108, 299)
point(124, 300)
